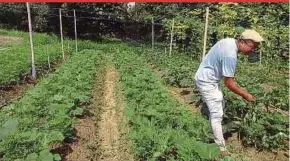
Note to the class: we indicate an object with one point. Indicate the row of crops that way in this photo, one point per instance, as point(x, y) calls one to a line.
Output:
point(161, 128)
point(258, 126)
point(16, 56)
point(43, 117)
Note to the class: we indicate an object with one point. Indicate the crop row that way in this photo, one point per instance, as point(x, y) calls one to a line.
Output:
point(15, 56)
point(44, 116)
point(160, 127)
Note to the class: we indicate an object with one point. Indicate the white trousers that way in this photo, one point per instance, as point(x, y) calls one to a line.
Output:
point(213, 97)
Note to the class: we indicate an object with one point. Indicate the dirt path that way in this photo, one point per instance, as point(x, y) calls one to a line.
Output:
point(101, 134)
point(113, 143)
point(108, 126)
point(8, 39)
point(239, 152)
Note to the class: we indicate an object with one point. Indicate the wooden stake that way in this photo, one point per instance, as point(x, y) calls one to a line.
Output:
point(205, 33)
point(171, 39)
point(152, 33)
point(76, 37)
point(61, 35)
point(48, 60)
point(33, 72)
point(260, 57)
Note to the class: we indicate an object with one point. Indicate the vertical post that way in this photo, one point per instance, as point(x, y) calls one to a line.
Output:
point(171, 39)
point(48, 60)
point(75, 19)
point(165, 50)
point(61, 35)
point(205, 33)
point(33, 72)
point(260, 58)
point(152, 33)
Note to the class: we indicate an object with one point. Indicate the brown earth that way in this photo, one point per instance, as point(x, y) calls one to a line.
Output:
point(114, 145)
point(8, 39)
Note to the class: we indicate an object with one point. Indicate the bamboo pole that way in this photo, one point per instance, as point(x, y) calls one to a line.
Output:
point(48, 60)
point(205, 33)
point(76, 37)
point(33, 72)
point(152, 33)
point(171, 39)
point(61, 35)
point(260, 57)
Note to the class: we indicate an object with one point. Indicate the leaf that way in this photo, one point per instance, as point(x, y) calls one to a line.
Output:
point(55, 136)
point(157, 154)
point(206, 151)
point(240, 29)
point(58, 98)
point(32, 157)
point(57, 157)
point(227, 158)
point(45, 155)
point(77, 112)
point(9, 127)
point(185, 82)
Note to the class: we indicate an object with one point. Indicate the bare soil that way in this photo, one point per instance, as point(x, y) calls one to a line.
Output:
point(108, 126)
point(111, 132)
point(83, 148)
point(8, 39)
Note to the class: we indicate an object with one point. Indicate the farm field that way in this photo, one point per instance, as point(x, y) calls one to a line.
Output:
point(124, 90)
point(158, 125)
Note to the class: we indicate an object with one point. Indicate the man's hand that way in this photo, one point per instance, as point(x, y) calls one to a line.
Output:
point(232, 85)
point(249, 97)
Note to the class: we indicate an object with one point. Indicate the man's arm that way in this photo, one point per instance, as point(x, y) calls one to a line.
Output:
point(231, 84)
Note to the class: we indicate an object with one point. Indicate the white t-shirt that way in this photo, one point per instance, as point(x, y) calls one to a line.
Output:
point(220, 62)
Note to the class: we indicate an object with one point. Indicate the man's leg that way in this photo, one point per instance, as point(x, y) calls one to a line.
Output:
point(214, 101)
point(215, 106)
point(216, 125)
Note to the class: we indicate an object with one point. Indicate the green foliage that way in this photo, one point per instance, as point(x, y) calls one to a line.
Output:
point(160, 127)
point(14, 15)
point(9, 126)
point(207, 151)
point(77, 112)
point(16, 56)
point(260, 128)
point(42, 117)
point(229, 20)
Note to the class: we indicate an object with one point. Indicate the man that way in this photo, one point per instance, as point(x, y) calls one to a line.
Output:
point(220, 63)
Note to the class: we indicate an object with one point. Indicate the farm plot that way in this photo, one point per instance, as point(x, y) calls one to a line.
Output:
point(15, 54)
point(160, 127)
point(44, 116)
point(263, 124)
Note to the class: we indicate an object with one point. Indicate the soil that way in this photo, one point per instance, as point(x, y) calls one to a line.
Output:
point(12, 93)
point(102, 136)
point(108, 126)
point(113, 142)
point(86, 141)
point(8, 39)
